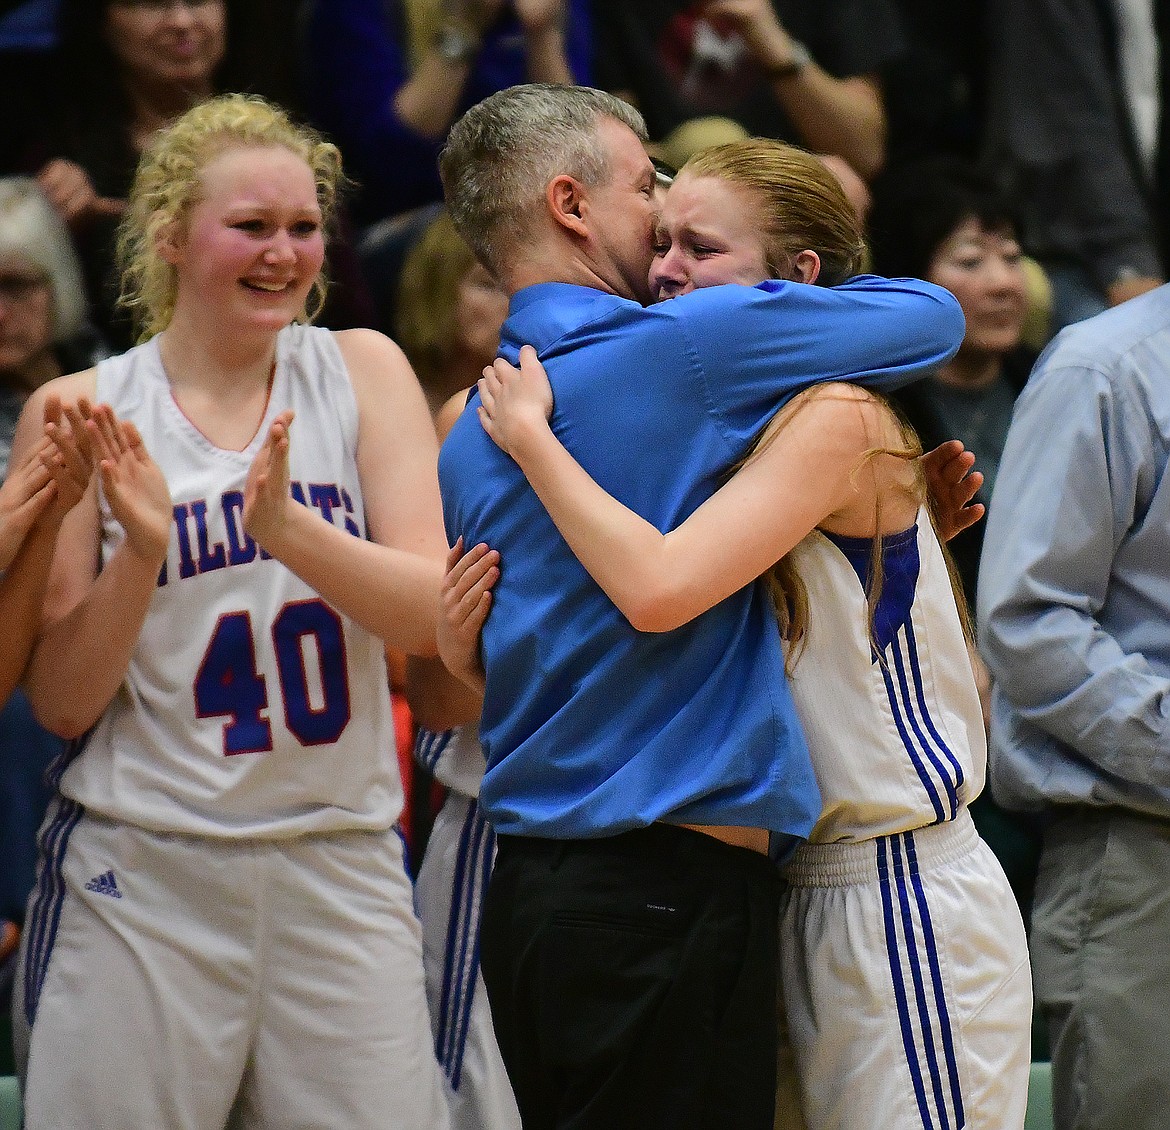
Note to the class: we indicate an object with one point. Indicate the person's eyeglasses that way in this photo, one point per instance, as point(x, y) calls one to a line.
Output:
point(157, 7)
point(20, 288)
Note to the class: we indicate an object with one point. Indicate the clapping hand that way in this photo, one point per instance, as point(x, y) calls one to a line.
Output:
point(132, 482)
point(266, 492)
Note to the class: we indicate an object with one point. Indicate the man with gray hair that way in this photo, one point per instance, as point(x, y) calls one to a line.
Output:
point(635, 779)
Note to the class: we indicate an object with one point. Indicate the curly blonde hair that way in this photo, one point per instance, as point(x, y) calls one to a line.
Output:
point(167, 186)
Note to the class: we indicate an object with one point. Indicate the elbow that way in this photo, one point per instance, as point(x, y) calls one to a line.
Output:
point(423, 647)
point(68, 716)
point(59, 720)
point(656, 610)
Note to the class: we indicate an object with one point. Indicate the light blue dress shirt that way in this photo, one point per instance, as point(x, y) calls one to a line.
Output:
point(1074, 582)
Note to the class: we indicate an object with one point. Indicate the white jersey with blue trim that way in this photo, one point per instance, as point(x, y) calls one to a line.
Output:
point(251, 708)
point(453, 757)
point(892, 717)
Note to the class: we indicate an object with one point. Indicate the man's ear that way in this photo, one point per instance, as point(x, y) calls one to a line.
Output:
point(564, 197)
point(806, 267)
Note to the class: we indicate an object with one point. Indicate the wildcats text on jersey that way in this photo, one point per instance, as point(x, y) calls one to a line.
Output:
point(198, 553)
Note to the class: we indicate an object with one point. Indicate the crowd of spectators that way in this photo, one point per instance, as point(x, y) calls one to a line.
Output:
point(1012, 149)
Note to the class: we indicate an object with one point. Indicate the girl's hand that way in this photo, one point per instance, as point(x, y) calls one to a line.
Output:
point(24, 496)
point(464, 605)
point(951, 484)
point(516, 403)
point(133, 484)
point(71, 458)
point(266, 491)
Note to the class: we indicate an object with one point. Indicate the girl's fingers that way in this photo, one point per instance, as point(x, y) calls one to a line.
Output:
point(76, 418)
point(132, 437)
point(111, 430)
point(459, 562)
point(98, 440)
point(454, 553)
point(468, 570)
point(485, 395)
point(482, 585)
point(473, 577)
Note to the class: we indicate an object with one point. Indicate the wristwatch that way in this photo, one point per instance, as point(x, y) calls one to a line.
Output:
point(456, 43)
point(799, 58)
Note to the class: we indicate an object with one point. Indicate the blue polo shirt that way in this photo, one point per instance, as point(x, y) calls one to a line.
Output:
point(589, 727)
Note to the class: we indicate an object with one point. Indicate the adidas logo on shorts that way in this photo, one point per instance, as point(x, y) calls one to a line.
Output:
point(104, 885)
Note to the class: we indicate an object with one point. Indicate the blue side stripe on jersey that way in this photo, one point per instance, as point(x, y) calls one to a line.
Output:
point(39, 913)
point(451, 948)
point(482, 873)
point(946, 778)
point(462, 945)
point(45, 909)
point(956, 767)
point(429, 746)
point(896, 976)
point(940, 997)
point(915, 961)
point(923, 773)
point(463, 982)
point(902, 894)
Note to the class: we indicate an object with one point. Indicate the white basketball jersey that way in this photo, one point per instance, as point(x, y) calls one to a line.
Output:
point(453, 757)
point(892, 718)
point(251, 708)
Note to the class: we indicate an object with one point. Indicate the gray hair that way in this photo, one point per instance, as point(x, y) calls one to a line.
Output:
point(31, 229)
point(502, 153)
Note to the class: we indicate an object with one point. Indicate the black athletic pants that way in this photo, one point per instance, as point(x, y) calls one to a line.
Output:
point(632, 980)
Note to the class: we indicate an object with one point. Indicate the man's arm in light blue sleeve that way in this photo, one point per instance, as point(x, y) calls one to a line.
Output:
point(758, 346)
point(1064, 501)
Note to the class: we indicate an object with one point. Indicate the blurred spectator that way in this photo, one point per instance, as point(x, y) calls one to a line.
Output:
point(387, 79)
point(43, 331)
point(942, 220)
point(1074, 610)
point(131, 68)
point(806, 71)
point(42, 334)
point(1076, 124)
point(449, 315)
point(128, 67)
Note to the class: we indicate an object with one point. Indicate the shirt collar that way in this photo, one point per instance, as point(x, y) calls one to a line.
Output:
point(541, 314)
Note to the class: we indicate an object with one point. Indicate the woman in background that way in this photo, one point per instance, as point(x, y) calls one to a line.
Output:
point(941, 219)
